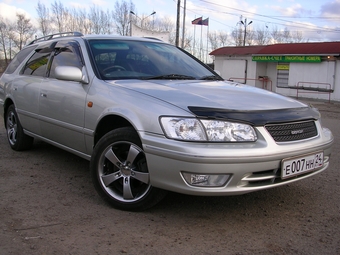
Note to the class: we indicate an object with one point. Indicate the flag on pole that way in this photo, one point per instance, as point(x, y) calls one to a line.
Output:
point(200, 21)
point(205, 22)
point(197, 21)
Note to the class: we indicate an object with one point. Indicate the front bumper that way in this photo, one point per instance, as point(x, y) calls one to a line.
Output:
point(251, 166)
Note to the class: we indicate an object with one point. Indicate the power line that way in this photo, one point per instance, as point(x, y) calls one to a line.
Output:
point(308, 17)
point(295, 24)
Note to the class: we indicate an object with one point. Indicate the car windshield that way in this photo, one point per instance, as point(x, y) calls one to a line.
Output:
point(127, 59)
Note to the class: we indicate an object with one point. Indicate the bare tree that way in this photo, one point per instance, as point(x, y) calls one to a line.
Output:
point(121, 16)
point(44, 19)
point(119, 19)
point(276, 35)
point(69, 19)
point(100, 21)
point(262, 36)
point(287, 37)
point(213, 40)
point(217, 39)
point(237, 36)
point(223, 38)
point(250, 37)
point(78, 20)
point(187, 43)
point(5, 42)
point(24, 30)
point(59, 12)
point(298, 37)
point(166, 25)
point(83, 23)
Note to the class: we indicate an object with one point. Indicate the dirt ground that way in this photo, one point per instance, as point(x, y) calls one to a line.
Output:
point(48, 205)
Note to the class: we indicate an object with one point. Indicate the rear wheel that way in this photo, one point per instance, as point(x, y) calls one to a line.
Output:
point(16, 137)
point(120, 173)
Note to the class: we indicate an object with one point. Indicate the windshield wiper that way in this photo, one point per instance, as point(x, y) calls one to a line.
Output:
point(170, 77)
point(211, 78)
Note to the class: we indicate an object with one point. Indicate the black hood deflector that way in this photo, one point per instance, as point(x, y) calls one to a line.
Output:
point(258, 118)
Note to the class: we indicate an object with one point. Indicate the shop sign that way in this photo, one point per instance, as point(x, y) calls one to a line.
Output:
point(303, 59)
point(282, 67)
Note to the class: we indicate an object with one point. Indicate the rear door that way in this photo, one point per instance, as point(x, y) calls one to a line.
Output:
point(26, 88)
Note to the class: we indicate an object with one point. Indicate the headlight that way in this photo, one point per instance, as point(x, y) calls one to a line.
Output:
point(191, 129)
point(183, 129)
point(229, 131)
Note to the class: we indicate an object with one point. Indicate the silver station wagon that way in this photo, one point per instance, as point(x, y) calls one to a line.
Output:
point(151, 118)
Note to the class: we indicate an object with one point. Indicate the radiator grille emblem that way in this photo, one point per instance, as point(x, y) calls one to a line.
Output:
point(295, 132)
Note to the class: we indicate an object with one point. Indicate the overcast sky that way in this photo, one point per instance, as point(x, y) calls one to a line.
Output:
point(319, 20)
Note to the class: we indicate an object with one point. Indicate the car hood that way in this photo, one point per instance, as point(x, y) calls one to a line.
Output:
point(211, 94)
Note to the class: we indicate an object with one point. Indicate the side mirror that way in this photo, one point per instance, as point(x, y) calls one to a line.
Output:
point(69, 73)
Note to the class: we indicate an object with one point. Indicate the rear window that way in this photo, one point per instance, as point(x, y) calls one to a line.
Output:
point(19, 58)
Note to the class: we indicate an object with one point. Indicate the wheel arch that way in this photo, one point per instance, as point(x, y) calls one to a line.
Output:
point(109, 123)
point(7, 104)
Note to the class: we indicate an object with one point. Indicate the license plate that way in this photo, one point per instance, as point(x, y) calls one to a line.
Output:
point(299, 165)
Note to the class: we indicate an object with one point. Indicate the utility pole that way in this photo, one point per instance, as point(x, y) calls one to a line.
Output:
point(239, 34)
point(183, 29)
point(245, 30)
point(178, 21)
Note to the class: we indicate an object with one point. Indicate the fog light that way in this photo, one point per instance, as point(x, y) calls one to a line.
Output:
point(206, 180)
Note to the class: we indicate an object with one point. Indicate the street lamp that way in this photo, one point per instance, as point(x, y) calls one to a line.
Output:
point(142, 19)
point(245, 29)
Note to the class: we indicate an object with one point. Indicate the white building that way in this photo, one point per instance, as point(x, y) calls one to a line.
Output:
point(310, 70)
point(140, 32)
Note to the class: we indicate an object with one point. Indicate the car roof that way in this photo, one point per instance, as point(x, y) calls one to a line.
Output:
point(57, 36)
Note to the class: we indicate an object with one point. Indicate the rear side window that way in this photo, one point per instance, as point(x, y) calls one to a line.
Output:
point(37, 64)
point(18, 59)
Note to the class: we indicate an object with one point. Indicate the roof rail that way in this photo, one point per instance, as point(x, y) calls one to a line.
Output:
point(49, 37)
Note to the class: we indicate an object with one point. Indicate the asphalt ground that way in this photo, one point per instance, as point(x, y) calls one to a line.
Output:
point(48, 205)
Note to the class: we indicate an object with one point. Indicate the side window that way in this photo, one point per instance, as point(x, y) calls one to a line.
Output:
point(65, 56)
point(18, 59)
point(37, 64)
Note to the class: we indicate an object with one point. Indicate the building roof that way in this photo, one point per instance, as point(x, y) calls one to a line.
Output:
point(316, 48)
point(239, 50)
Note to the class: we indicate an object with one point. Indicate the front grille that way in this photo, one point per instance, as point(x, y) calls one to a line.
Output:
point(292, 131)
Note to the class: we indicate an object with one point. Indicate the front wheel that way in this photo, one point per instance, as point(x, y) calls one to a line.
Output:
point(16, 137)
point(120, 173)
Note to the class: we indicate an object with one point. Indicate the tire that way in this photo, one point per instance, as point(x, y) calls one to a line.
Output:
point(120, 174)
point(16, 137)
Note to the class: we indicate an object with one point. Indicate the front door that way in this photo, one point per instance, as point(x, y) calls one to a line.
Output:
point(62, 103)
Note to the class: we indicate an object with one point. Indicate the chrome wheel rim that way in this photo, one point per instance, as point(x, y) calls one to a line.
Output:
point(12, 127)
point(123, 172)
